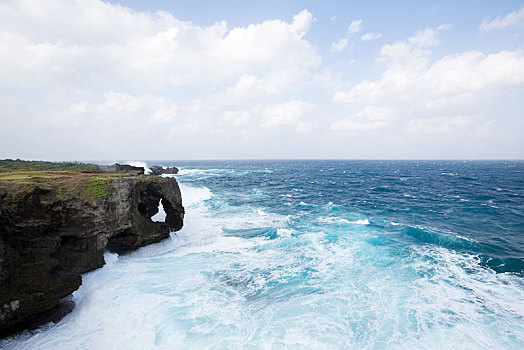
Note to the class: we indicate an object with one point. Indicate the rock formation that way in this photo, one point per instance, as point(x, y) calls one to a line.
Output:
point(118, 168)
point(158, 170)
point(49, 237)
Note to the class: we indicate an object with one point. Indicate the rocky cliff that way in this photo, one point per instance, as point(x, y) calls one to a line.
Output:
point(54, 226)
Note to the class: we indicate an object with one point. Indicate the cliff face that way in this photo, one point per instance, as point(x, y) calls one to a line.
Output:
point(48, 238)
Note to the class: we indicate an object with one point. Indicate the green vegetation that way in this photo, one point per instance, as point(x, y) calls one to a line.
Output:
point(26, 176)
point(59, 185)
point(18, 164)
point(98, 187)
point(63, 196)
point(61, 181)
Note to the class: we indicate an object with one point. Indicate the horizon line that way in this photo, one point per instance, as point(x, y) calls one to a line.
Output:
point(268, 159)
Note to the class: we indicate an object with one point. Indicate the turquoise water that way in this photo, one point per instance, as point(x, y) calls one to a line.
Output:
point(318, 254)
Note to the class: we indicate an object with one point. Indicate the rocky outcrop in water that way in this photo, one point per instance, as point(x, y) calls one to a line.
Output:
point(49, 238)
point(158, 170)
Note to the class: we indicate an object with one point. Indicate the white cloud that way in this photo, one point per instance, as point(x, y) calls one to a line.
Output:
point(79, 108)
point(424, 38)
point(305, 127)
point(125, 47)
point(411, 77)
point(301, 23)
point(130, 80)
point(453, 76)
point(355, 26)
point(371, 36)
point(187, 127)
point(236, 118)
point(272, 83)
point(163, 115)
point(356, 125)
point(252, 92)
point(93, 67)
point(45, 21)
point(432, 96)
point(339, 45)
point(512, 19)
point(127, 108)
point(372, 117)
point(285, 113)
point(445, 26)
point(437, 125)
point(375, 113)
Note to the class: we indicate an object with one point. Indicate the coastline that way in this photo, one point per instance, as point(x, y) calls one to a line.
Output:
point(56, 225)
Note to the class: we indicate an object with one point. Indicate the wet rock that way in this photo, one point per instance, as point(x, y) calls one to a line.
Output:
point(158, 170)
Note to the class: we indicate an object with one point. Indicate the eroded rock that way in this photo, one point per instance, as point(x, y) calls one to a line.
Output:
point(158, 170)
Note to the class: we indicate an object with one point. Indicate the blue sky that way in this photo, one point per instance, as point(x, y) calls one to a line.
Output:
point(89, 79)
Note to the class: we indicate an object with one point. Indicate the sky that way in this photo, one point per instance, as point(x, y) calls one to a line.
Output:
point(130, 80)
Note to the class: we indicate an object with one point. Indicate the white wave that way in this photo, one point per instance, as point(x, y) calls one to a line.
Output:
point(460, 292)
point(466, 238)
point(201, 222)
point(139, 164)
point(360, 222)
point(283, 232)
point(256, 193)
point(216, 172)
point(395, 223)
point(192, 195)
point(331, 220)
point(303, 203)
point(110, 258)
point(337, 220)
point(261, 212)
point(182, 171)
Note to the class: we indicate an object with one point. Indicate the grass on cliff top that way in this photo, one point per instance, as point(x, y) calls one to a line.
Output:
point(63, 185)
point(60, 184)
point(98, 187)
point(18, 164)
point(22, 176)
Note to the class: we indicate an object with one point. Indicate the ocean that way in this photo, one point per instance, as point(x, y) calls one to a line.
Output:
point(317, 255)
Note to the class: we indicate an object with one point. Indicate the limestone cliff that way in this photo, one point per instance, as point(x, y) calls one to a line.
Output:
point(56, 225)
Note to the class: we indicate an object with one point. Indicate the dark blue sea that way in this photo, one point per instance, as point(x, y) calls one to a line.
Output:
point(318, 255)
